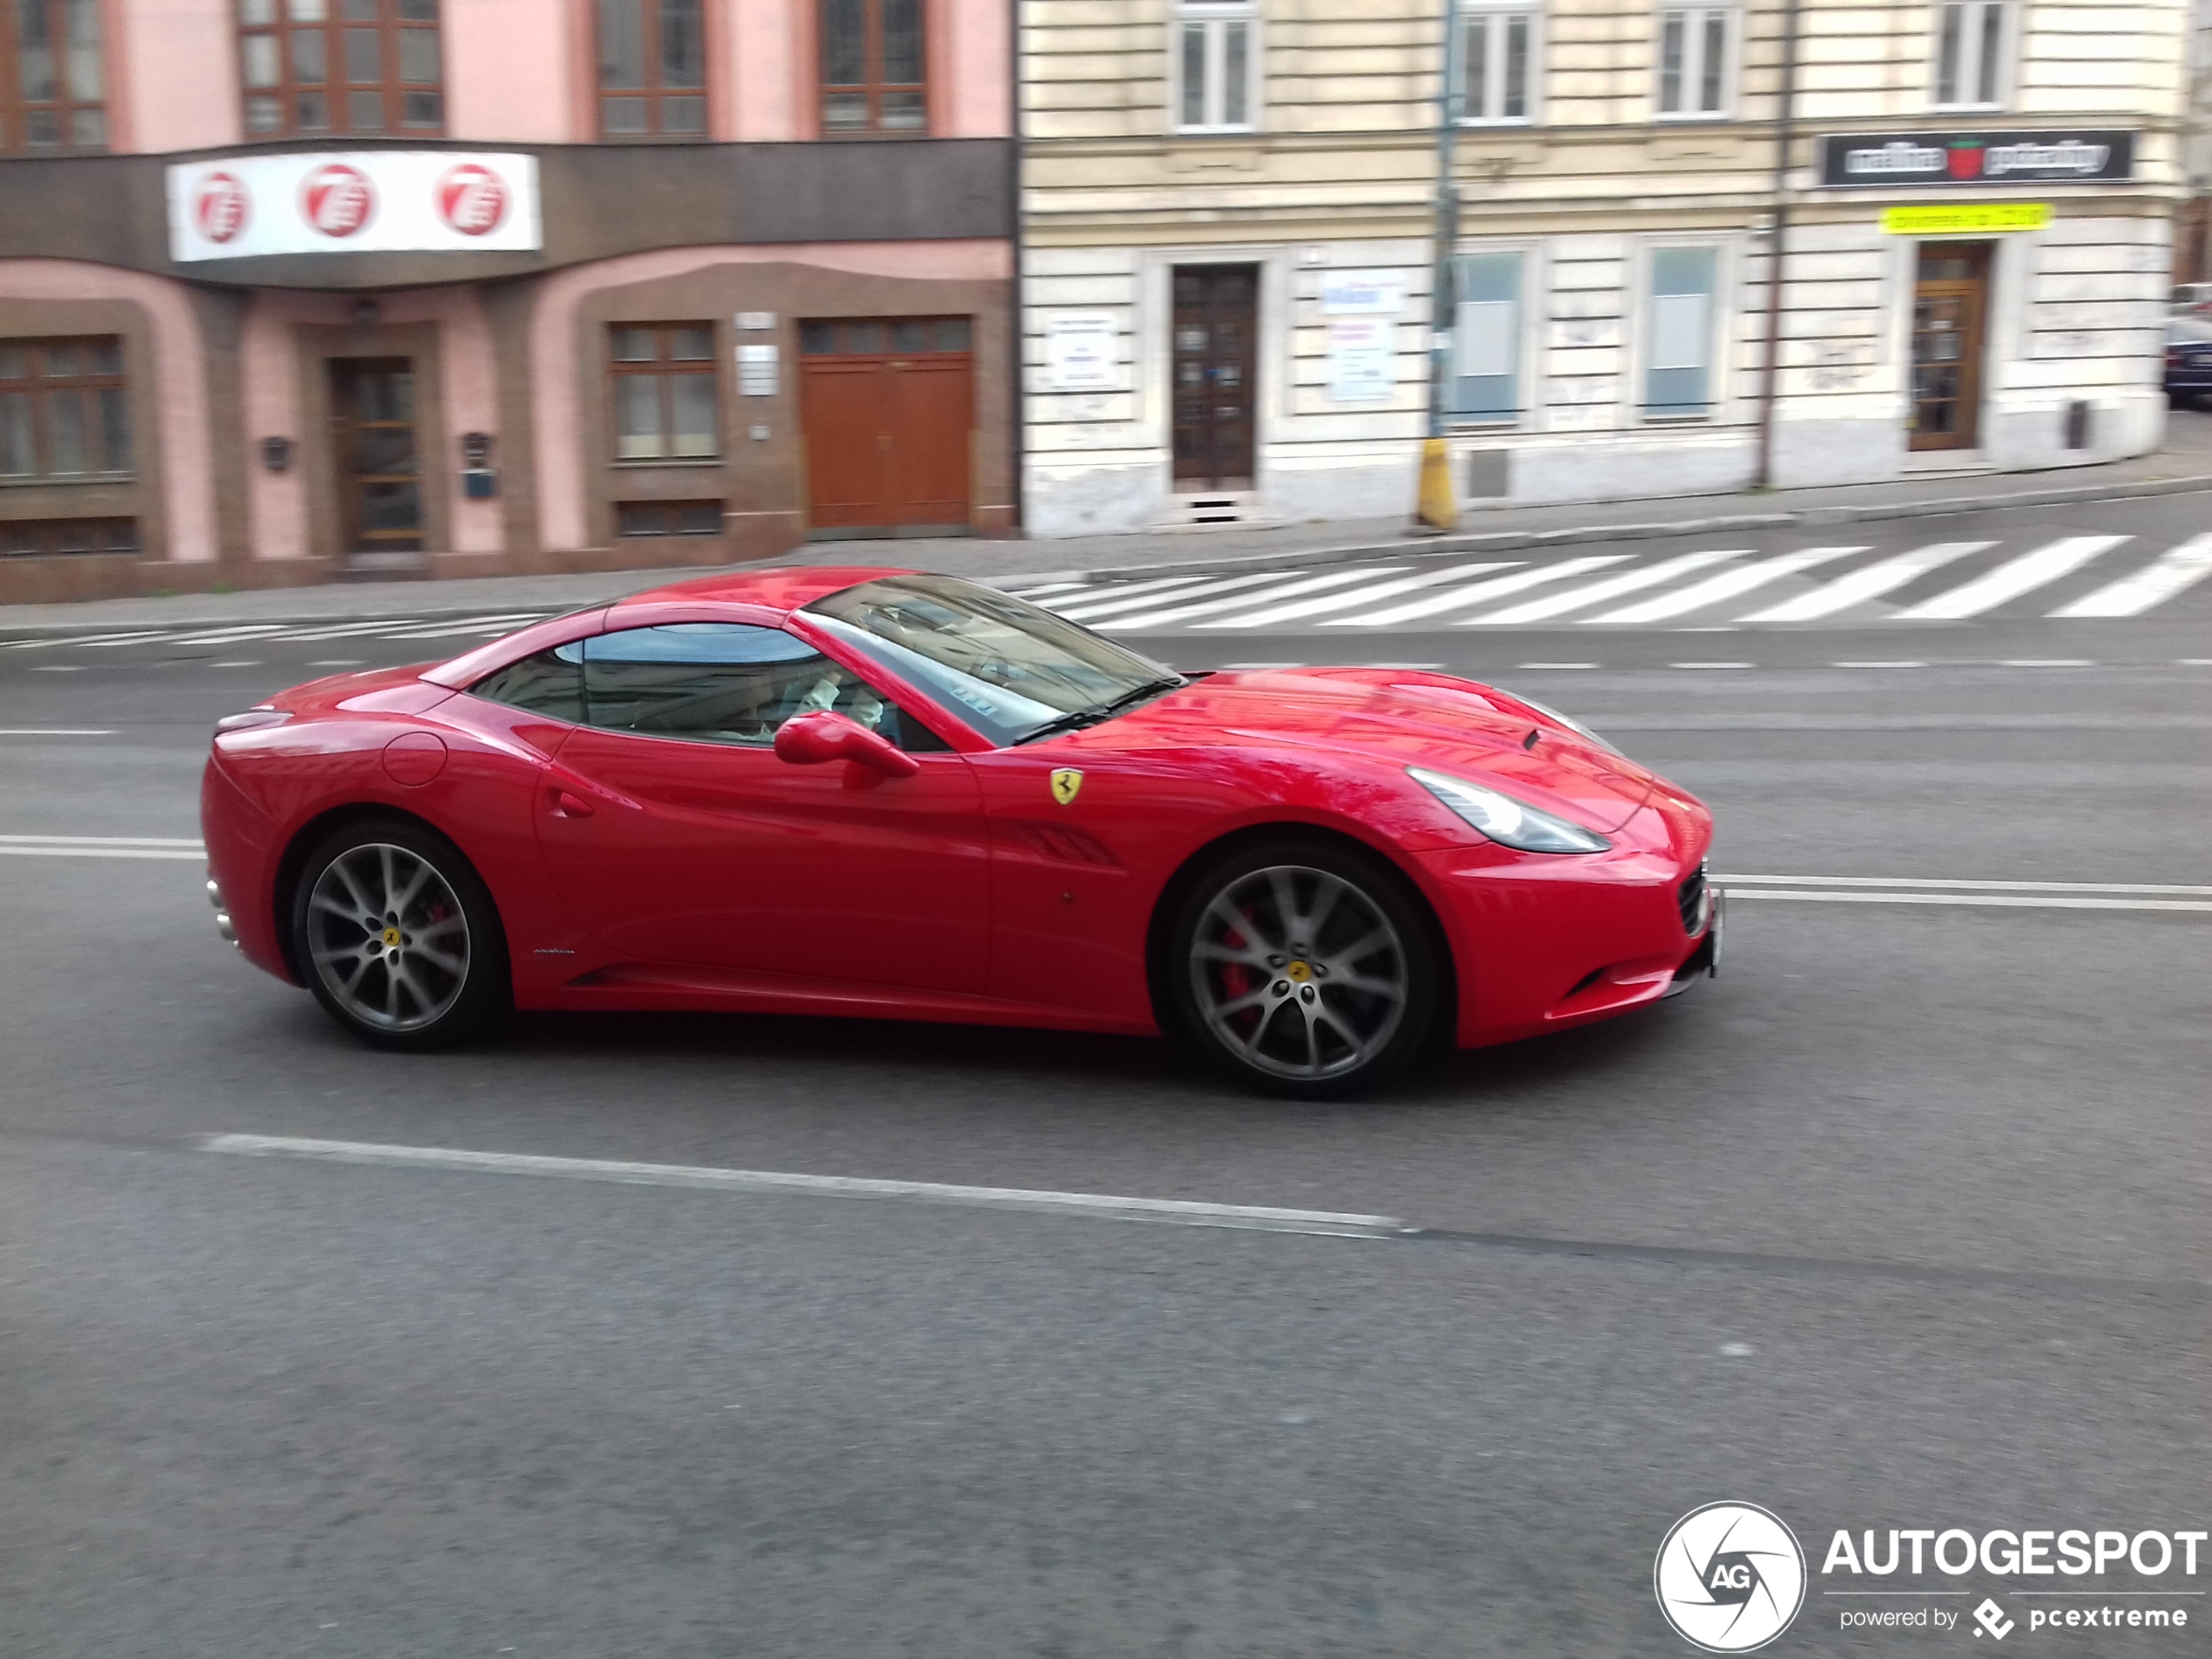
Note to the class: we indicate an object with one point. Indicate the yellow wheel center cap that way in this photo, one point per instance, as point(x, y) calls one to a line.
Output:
point(1300, 971)
point(392, 939)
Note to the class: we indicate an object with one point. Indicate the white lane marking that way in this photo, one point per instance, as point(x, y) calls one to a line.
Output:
point(505, 622)
point(57, 852)
point(1868, 581)
point(1727, 584)
point(85, 639)
point(1021, 592)
point(1287, 591)
point(2012, 578)
point(1462, 598)
point(340, 631)
point(57, 668)
point(2175, 571)
point(235, 664)
point(338, 662)
point(55, 731)
point(1995, 887)
point(1103, 1206)
point(2026, 902)
point(228, 635)
point(1124, 597)
point(1355, 597)
point(1553, 604)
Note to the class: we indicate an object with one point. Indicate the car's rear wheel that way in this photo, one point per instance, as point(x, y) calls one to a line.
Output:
point(1305, 970)
point(397, 937)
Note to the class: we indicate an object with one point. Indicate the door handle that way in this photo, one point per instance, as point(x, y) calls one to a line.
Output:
point(568, 806)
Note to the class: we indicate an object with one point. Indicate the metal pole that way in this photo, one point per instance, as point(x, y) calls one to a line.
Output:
point(1435, 509)
point(1784, 136)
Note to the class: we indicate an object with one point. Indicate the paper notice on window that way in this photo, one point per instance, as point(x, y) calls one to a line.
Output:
point(1083, 354)
point(1483, 343)
point(1363, 360)
point(1679, 330)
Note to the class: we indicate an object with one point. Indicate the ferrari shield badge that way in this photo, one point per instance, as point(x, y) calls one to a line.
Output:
point(1067, 783)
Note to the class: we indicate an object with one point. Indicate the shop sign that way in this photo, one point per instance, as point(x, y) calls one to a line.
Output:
point(1975, 160)
point(1362, 293)
point(1363, 360)
point(1081, 353)
point(376, 201)
point(1964, 219)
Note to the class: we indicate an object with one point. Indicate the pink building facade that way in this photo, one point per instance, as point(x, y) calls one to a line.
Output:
point(297, 289)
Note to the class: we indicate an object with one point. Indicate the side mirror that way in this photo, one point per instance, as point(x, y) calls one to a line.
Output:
point(811, 739)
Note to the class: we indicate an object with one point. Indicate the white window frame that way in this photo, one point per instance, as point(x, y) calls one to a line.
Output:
point(1527, 337)
point(1484, 105)
point(1695, 66)
point(1975, 70)
point(1217, 17)
point(1720, 332)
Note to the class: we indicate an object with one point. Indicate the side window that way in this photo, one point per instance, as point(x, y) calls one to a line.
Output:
point(549, 683)
point(712, 682)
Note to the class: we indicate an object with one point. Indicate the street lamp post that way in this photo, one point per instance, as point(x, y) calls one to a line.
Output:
point(1435, 508)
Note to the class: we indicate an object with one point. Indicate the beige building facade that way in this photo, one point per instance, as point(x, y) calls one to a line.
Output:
point(1228, 212)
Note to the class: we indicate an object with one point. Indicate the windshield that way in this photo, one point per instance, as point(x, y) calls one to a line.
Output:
point(1009, 668)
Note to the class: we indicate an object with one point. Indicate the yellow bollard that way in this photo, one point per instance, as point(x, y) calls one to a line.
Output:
point(1436, 511)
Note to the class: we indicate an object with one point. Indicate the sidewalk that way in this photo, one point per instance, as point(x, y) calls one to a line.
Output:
point(2184, 464)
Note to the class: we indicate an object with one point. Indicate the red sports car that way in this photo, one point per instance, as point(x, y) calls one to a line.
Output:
point(897, 795)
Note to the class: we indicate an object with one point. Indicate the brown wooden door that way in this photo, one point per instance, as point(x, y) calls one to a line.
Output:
point(1950, 309)
point(380, 469)
point(1213, 362)
point(889, 410)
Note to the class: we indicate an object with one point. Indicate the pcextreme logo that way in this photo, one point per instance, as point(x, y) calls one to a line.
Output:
point(1729, 1577)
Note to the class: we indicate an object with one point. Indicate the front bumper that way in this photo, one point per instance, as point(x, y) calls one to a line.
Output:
point(1542, 943)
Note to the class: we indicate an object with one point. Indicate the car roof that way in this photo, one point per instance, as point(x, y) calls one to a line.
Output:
point(774, 587)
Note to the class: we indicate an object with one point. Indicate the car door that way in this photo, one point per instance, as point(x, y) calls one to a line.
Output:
point(675, 835)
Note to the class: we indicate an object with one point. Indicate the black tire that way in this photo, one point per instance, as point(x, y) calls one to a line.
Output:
point(1359, 1002)
point(433, 972)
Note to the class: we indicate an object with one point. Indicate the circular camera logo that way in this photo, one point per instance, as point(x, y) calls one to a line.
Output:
point(1729, 1577)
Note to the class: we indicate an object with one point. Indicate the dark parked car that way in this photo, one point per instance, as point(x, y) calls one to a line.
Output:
point(2189, 358)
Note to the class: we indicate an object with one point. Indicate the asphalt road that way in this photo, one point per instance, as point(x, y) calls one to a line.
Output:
point(1902, 1222)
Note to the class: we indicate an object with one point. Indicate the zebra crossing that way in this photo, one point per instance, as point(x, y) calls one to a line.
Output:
point(458, 629)
point(1851, 585)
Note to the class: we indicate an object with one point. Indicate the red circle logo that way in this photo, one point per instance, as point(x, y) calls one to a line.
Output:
point(221, 207)
point(339, 199)
point(472, 199)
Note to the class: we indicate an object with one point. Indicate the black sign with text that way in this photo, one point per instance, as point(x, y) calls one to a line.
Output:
point(1975, 160)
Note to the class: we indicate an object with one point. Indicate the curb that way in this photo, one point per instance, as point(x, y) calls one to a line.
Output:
point(1505, 541)
point(1409, 547)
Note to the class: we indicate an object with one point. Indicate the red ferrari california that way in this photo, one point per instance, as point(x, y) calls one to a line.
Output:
point(895, 795)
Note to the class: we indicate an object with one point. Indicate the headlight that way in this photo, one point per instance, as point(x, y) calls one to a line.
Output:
point(1507, 821)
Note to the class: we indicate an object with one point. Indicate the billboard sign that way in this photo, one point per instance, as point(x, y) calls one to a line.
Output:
point(1975, 160)
point(372, 201)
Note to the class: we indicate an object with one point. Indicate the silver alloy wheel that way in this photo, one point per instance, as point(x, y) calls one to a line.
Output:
point(388, 937)
point(1299, 972)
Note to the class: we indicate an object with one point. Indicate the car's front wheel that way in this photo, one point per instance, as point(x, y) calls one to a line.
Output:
point(1305, 970)
point(397, 937)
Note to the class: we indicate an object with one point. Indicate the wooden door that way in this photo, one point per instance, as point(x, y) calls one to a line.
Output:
point(379, 463)
point(888, 407)
point(1214, 358)
point(1950, 311)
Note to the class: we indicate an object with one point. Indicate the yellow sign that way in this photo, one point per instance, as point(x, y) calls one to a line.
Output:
point(1065, 784)
point(1942, 218)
